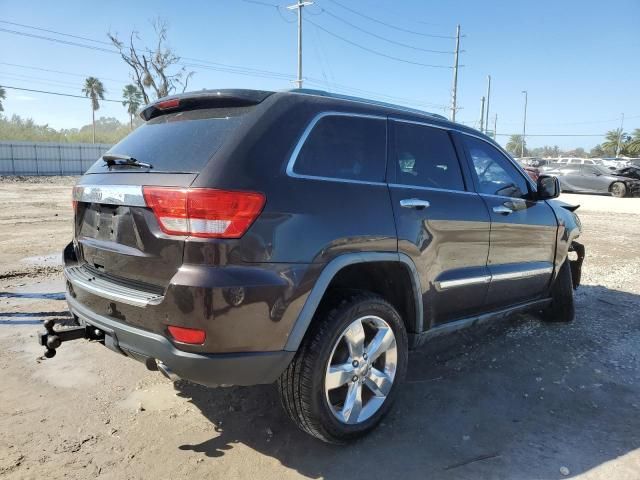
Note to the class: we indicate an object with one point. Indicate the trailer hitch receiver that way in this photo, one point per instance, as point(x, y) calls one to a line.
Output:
point(52, 339)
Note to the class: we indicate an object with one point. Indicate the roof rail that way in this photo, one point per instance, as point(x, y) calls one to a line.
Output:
point(323, 93)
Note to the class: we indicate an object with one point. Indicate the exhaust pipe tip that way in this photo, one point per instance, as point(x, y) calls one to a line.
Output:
point(166, 371)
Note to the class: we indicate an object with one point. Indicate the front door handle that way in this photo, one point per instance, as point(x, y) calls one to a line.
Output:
point(414, 203)
point(502, 210)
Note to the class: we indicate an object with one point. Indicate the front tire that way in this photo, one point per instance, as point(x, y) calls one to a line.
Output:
point(346, 372)
point(562, 308)
point(618, 189)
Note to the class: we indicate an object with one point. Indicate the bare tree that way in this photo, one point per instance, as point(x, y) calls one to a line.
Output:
point(153, 67)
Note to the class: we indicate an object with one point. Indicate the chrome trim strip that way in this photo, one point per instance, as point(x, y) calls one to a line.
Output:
point(130, 195)
point(425, 123)
point(80, 277)
point(431, 189)
point(521, 274)
point(462, 282)
point(303, 139)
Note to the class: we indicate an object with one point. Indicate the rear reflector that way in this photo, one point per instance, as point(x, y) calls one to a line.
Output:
point(194, 336)
point(204, 212)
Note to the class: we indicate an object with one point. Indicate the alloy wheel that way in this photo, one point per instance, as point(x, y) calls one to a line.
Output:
point(361, 369)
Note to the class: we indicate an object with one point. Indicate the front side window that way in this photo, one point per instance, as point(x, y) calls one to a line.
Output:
point(345, 147)
point(424, 156)
point(494, 172)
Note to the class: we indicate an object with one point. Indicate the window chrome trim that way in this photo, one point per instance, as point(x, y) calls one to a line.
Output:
point(303, 138)
point(130, 195)
point(420, 122)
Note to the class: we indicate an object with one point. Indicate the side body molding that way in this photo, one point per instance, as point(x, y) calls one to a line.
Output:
point(331, 269)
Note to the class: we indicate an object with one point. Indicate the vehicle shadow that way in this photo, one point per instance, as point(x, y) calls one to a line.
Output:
point(515, 399)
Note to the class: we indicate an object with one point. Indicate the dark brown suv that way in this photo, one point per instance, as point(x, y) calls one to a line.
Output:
point(242, 237)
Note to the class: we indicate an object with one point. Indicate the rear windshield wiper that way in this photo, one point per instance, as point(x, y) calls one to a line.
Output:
point(112, 159)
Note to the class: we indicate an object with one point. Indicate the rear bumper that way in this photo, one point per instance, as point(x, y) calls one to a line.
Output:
point(212, 370)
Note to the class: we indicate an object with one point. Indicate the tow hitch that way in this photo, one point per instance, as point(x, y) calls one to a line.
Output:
point(52, 339)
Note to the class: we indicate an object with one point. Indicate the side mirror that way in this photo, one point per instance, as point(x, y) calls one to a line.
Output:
point(548, 187)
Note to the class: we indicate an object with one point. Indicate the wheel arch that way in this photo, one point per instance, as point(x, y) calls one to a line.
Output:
point(333, 269)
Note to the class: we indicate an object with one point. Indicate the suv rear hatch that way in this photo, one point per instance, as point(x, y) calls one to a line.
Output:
point(118, 237)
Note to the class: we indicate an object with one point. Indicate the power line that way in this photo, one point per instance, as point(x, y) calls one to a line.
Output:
point(394, 42)
point(61, 72)
point(214, 66)
point(103, 42)
point(277, 7)
point(30, 78)
point(58, 93)
point(395, 27)
point(375, 52)
point(57, 40)
point(221, 66)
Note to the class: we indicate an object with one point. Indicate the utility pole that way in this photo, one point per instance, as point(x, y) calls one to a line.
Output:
point(454, 88)
point(495, 126)
point(620, 135)
point(524, 123)
point(486, 122)
point(482, 115)
point(299, 5)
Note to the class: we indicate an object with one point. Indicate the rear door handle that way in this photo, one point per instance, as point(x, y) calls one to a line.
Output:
point(502, 210)
point(414, 203)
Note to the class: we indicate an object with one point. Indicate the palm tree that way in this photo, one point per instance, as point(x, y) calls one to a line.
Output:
point(132, 99)
point(613, 139)
point(633, 147)
point(514, 146)
point(3, 95)
point(94, 90)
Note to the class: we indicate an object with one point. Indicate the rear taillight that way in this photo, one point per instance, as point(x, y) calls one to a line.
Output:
point(194, 336)
point(167, 104)
point(204, 212)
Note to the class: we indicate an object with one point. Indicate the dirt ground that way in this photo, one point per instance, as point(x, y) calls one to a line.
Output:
point(514, 400)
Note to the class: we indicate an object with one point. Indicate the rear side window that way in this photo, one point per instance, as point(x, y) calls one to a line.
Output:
point(345, 147)
point(178, 142)
point(424, 156)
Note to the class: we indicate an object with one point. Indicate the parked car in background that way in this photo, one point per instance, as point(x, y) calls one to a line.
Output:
point(594, 179)
point(635, 162)
point(630, 172)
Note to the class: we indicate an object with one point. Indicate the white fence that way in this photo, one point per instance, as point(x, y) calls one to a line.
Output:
point(48, 158)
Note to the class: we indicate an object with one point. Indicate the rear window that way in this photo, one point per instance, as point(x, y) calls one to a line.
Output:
point(178, 142)
point(345, 147)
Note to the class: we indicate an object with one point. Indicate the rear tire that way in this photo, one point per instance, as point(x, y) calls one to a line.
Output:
point(328, 390)
point(618, 189)
point(562, 308)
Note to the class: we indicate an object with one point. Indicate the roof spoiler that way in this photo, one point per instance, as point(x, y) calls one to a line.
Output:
point(203, 99)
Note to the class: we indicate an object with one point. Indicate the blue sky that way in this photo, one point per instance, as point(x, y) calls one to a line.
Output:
point(577, 59)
